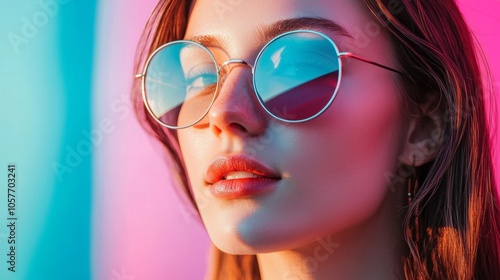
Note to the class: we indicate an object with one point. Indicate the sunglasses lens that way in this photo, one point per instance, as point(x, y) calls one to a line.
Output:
point(296, 75)
point(180, 84)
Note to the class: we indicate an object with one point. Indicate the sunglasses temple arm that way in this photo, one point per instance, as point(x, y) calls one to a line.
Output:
point(348, 54)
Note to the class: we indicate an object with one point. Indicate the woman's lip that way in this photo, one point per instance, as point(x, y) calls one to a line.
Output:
point(223, 165)
point(241, 188)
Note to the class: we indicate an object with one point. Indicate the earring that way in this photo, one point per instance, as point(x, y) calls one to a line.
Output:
point(412, 182)
point(412, 187)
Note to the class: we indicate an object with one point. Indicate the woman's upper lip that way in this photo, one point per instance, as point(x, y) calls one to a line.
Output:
point(222, 165)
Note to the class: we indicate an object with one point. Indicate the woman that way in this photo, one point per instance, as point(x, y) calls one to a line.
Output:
point(326, 139)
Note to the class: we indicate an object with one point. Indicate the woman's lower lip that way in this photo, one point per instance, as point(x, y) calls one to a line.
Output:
point(240, 188)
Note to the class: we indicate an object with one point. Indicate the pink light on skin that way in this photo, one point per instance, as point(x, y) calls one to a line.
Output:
point(141, 229)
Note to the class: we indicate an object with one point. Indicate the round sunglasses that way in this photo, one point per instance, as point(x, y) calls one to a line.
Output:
point(296, 76)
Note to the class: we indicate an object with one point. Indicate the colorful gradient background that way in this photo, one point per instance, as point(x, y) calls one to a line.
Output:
point(94, 196)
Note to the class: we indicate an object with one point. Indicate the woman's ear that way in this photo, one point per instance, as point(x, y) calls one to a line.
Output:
point(425, 132)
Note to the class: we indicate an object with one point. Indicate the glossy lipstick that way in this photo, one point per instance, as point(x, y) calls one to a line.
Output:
point(239, 176)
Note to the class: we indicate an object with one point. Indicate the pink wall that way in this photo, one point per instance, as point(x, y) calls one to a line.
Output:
point(140, 228)
point(484, 20)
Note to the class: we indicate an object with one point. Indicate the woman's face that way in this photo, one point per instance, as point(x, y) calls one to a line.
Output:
point(264, 185)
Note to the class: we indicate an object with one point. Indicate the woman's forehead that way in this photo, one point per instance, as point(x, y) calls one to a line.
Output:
point(238, 24)
point(267, 32)
point(245, 18)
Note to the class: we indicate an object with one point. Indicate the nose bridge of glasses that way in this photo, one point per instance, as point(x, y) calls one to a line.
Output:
point(225, 65)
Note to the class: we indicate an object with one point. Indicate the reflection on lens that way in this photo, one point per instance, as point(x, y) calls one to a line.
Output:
point(180, 83)
point(305, 100)
point(296, 76)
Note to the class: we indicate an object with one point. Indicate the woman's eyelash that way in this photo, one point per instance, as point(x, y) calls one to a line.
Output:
point(197, 73)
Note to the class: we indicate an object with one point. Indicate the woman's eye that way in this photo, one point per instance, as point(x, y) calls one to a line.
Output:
point(201, 81)
point(200, 78)
point(199, 72)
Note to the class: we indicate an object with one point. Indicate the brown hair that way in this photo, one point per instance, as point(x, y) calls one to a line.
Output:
point(452, 225)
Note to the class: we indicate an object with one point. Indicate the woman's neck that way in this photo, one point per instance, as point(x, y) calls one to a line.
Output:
point(372, 250)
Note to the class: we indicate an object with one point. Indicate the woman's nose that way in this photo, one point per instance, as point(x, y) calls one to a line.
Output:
point(236, 109)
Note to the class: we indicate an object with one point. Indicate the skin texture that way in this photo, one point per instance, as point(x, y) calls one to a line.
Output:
point(334, 188)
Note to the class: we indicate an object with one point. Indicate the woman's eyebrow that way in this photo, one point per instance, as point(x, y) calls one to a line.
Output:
point(206, 40)
point(266, 33)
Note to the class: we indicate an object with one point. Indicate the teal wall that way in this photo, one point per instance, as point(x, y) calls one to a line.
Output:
point(46, 57)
